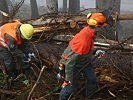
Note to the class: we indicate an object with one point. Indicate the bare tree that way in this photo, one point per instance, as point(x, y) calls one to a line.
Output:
point(64, 5)
point(104, 4)
point(34, 9)
point(3, 7)
point(74, 6)
point(114, 6)
point(9, 4)
point(52, 6)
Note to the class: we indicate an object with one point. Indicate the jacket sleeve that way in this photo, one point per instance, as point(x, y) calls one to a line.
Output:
point(13, 47)
point(11, 44)
point(25, 46)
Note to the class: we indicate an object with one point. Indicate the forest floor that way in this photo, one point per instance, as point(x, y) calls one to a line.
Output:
point(114, 78)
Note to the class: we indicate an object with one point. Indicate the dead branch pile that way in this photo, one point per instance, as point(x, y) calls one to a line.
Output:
point(114, 73)
point(114, 76)
point(52, 23)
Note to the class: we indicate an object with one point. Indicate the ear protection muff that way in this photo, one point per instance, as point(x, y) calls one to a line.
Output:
point(92, 22)
point(96, 19)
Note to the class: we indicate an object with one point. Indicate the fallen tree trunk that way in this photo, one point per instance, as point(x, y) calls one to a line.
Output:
point(65, 22)
point(100, 42)
point(50, 28)
point(114, 44)
point(68, 18)
point(125, 17)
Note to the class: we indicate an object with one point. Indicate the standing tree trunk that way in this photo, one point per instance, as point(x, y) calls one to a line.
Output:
point(34, 9)
point(3, 7)
point(52, 6)
point(64, 5)
point(74, 6)
point(114, 6)
point(9, 5)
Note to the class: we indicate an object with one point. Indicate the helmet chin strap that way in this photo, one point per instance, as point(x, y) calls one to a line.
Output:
point(18, 33)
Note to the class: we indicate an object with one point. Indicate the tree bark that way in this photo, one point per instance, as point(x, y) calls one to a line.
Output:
point(74, 6)
point(52, 6)
point(114, 5)
point(64, 5)
point(3, 7)
point(34, 9)
point(9, 4)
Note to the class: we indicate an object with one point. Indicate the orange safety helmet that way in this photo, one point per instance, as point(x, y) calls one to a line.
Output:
point(96, 19)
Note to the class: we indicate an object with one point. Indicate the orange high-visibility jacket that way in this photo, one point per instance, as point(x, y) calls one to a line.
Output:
point(82, 42)
point(10, 29)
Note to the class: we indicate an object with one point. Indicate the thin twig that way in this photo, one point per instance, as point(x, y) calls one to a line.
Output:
point(8, 92)
point(32, 90)
point(103, 87)
point(37, 53)
point(125, 76)
point(121, 42)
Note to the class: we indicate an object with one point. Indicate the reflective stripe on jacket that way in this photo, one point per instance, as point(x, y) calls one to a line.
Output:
point(10, 29)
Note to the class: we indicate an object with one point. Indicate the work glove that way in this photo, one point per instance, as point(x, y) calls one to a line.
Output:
point(65, 83)
point(61, 73)
point(100, 53)
point(11, 47)
point(28, 56)
point(31, 55)
point(61, 66)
